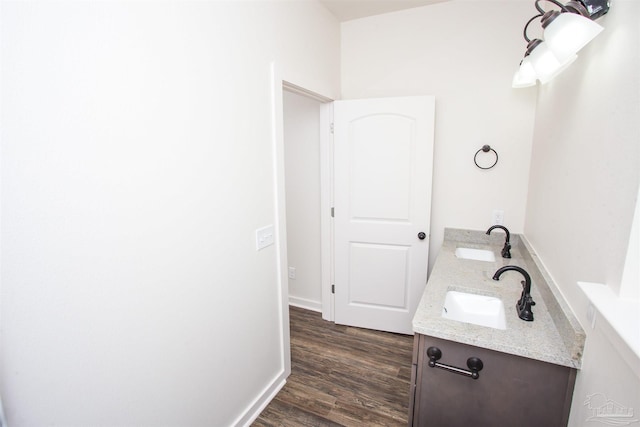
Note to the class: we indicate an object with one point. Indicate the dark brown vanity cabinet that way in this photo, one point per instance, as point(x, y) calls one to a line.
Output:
point(509, 391)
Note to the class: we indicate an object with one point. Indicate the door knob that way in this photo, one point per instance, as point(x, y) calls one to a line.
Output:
point(421, 235)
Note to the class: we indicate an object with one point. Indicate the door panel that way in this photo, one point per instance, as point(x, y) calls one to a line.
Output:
point(370, 270)
point(383, 157)
point(381, 193)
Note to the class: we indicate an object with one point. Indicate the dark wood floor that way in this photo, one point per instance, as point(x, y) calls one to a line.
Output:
point(342, 376)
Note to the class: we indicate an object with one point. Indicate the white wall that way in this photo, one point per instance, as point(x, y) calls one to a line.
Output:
point(585, 173)
point(136, 164)
point(302, 171)
point(464, 53)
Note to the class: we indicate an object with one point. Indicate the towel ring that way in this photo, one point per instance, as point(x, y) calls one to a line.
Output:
point(485, 149)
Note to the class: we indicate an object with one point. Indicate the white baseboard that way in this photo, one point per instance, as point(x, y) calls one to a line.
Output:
point(261, 402)
point(305, 303)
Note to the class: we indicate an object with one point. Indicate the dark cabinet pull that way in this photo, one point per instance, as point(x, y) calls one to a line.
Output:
point(474, 364)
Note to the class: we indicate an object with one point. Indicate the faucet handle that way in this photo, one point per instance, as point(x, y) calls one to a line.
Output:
point(524, 311)
point(524, 304)
point(526, 298)
point(506, 251)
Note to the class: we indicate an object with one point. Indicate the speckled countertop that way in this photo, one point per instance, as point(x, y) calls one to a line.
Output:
point(555, 336)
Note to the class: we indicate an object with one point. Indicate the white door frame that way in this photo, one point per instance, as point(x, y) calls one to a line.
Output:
point(326, 193)
point(278, 84)
point(326, 210)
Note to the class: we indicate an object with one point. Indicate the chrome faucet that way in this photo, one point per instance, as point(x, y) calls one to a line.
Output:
point(506, 249)
point(525, 302)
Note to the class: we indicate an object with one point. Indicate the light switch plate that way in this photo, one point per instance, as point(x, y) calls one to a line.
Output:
point(264, 237)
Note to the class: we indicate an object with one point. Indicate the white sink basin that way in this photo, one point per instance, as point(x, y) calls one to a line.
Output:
point(475, 254)
point(472, 308)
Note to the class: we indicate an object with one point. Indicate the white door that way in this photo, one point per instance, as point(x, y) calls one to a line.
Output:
point(383, 161)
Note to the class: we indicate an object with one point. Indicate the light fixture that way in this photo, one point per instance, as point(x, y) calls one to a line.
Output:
point(565, 32)
point(544, 62)
point(525, 76)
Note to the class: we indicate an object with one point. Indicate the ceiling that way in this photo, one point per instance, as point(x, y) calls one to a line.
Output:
point(346, 10)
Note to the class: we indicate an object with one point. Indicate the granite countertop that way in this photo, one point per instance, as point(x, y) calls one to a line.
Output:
point(555, 336)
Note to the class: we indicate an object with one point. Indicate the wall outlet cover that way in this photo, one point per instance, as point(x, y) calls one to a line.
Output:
point(497, 217)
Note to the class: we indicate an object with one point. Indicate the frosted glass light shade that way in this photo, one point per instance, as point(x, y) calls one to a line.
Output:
point(568, 33)
point(545, 63)
point(563, 66)
point(525, 76)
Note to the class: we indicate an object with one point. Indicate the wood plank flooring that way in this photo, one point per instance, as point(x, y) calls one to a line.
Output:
point(342, 376)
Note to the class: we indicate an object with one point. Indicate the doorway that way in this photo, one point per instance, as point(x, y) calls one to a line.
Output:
point(382, 164)
point(309, 121)
point(301, 126)
point(307, 150)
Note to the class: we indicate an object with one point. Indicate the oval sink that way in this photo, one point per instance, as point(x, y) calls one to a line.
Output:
point(475, 254)
point(472, 308)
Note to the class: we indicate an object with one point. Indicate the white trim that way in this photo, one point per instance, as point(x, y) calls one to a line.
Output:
point(304, 92)
point(307, 304)
point(257, 406)
point(326, 203)
point(280, 204)
point(278, 84)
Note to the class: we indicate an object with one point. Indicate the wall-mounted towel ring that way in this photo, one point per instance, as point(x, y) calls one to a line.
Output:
point(485, 149)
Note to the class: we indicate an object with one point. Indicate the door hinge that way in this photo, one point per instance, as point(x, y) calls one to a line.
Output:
point(331, 128)
point(333, 212)
point(333, 289)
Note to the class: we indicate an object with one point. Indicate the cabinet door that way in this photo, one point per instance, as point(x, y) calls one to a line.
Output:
point(511, 390)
